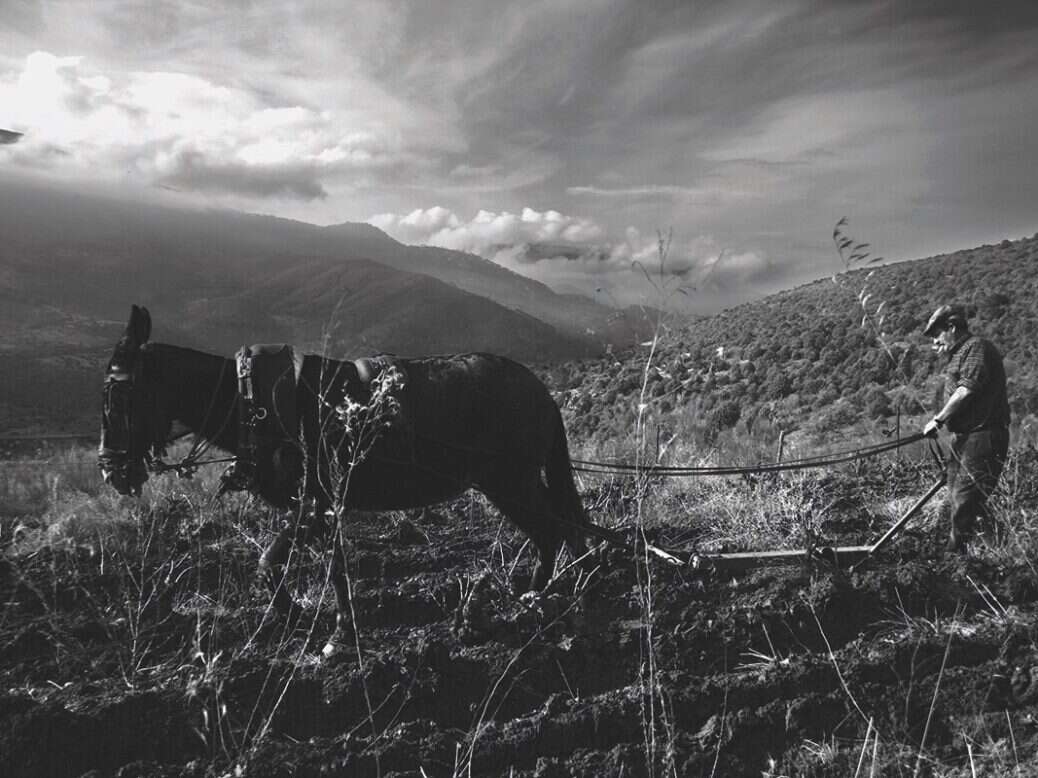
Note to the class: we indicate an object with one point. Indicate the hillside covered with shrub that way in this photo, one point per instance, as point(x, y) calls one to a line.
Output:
point(841, 352)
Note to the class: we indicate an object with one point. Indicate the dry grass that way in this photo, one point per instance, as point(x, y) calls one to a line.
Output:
point(159, 549)
point(158, 545)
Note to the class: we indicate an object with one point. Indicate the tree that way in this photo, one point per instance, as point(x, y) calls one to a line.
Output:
point(723, 417)
point(994, 305)
point(776, 384)
point(877, 404)
point(837, 417)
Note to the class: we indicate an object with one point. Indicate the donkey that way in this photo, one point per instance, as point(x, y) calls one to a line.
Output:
point(458, 422)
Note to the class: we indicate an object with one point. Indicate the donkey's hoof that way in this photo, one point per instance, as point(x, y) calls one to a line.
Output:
point(336, 643)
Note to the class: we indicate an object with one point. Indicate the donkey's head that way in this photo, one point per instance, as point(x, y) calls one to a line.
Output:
point(132, 424)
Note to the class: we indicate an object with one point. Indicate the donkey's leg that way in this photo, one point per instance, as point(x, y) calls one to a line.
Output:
point(340, 584)
point(272, 564)
point(576, 542)
point(562, 529)
point(524, 501)
point(272, 569)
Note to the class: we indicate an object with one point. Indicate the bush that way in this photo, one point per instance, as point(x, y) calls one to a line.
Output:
point(723, 417)
point(877, 404)
point(841, 415)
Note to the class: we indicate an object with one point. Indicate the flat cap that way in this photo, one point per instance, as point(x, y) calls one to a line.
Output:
point(943, 316)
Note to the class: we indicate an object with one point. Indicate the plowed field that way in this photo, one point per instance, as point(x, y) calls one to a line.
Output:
point(151, 651)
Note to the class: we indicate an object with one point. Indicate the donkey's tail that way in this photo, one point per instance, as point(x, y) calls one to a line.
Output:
point(562, 489)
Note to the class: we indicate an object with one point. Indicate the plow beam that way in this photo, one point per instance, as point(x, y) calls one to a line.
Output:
point(841, 556)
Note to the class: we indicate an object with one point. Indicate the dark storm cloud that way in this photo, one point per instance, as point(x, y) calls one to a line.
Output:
point(540, 252)
point(632, 87)
point(9, 137)
point(25, 16)
point(150, 25)
point(194, 171)
point(978, 20)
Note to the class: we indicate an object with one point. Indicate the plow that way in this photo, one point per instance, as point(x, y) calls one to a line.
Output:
point(843, 557)
point(848, 558)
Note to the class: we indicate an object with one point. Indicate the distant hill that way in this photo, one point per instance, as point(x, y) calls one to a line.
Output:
point(51, 360)
point(100, 251)
point(362, 307)
point(71, 265)
point(810, 359)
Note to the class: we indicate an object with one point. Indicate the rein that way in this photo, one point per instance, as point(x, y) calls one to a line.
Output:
point(189, 464)
point(840, 457)
point(120, 458)
point(186, 467)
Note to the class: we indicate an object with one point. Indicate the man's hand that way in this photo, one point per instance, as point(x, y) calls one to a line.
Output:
point(932, 426)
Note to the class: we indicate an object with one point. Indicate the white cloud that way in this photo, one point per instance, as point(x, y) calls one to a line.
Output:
point(576, 254)
point(183, 130)
point(418, 225)
point(487, 231)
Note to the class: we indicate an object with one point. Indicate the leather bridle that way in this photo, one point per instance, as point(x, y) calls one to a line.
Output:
point(130, 428)
point(127, 448)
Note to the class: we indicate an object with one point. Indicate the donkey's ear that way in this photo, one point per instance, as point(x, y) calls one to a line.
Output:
point(145, 325)
point(138, 329)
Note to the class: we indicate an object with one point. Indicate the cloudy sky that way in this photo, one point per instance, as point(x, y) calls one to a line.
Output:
point(557, 137)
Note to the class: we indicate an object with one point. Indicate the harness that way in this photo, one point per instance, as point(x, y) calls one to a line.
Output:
point(268, 419)
point(270, 424)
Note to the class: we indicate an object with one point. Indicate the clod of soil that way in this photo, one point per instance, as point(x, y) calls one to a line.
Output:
point(176, 667)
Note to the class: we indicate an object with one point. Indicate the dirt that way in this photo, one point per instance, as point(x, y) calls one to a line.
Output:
point(174, 666)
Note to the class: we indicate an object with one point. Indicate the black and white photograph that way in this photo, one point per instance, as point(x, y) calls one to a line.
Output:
point(558, 389)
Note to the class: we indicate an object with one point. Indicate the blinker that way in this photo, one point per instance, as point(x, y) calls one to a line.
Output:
point(116, 457)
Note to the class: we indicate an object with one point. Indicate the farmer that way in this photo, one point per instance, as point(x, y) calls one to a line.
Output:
point(976, 414)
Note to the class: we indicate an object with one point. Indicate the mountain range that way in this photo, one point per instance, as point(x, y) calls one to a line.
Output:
point(71, 264)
